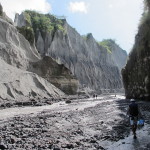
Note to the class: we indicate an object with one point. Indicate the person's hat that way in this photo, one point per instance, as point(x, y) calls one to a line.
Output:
point(132, 100)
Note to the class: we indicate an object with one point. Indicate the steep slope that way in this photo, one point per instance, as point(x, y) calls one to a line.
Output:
point(136, 74)
point(19, 85)
point(15, 49)
point(17, 57)
point(119, 56)
point(56, 74)
point(89, 61)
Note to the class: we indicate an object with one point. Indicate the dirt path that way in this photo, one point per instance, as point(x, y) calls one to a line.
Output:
point(87, 124)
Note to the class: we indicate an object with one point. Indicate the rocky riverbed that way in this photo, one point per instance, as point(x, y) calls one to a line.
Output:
point(83, 124)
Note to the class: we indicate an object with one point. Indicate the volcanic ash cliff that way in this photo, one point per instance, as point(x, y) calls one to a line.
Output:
point(136, 74)
point(18, 60)
point(96, 65)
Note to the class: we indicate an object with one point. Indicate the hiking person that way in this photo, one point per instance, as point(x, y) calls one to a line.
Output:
point(96, 96)
point(133, 113)
point(93, 95)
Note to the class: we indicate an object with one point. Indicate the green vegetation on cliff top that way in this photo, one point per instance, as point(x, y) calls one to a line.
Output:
point(44, 23)
point(107, 44)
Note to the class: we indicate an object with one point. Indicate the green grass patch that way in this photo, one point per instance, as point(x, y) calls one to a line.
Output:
point(107, 44)
point(42, 22)
point(45, 23)
point(28, 33)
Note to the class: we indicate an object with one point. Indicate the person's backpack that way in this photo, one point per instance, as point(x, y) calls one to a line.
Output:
point(133, 109)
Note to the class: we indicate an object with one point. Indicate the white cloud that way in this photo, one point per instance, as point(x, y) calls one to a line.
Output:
point(78, 7)
point(17, 6)
point(110, 6)
point(117, 4)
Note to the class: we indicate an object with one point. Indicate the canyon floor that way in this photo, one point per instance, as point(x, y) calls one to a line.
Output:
point(83, 124)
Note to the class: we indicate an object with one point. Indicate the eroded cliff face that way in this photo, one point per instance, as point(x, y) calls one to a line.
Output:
point(56, 74)
point(18, 82)
point(20, 85)
point(90, 62)
point(87, 60)
point(136, 74)
point(14, 48)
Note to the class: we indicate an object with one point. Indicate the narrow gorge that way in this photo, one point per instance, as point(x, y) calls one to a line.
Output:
point(136, 74)
point(61, 90)
point(96, 65)
point(17, 58)
point(45, 57)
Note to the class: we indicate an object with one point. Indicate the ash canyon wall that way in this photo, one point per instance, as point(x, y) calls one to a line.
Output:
point(43, 56)
point(96, 65)
point(17, 58)
point(136, 74)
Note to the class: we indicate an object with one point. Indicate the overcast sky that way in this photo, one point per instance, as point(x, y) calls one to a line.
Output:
point(105, 19)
